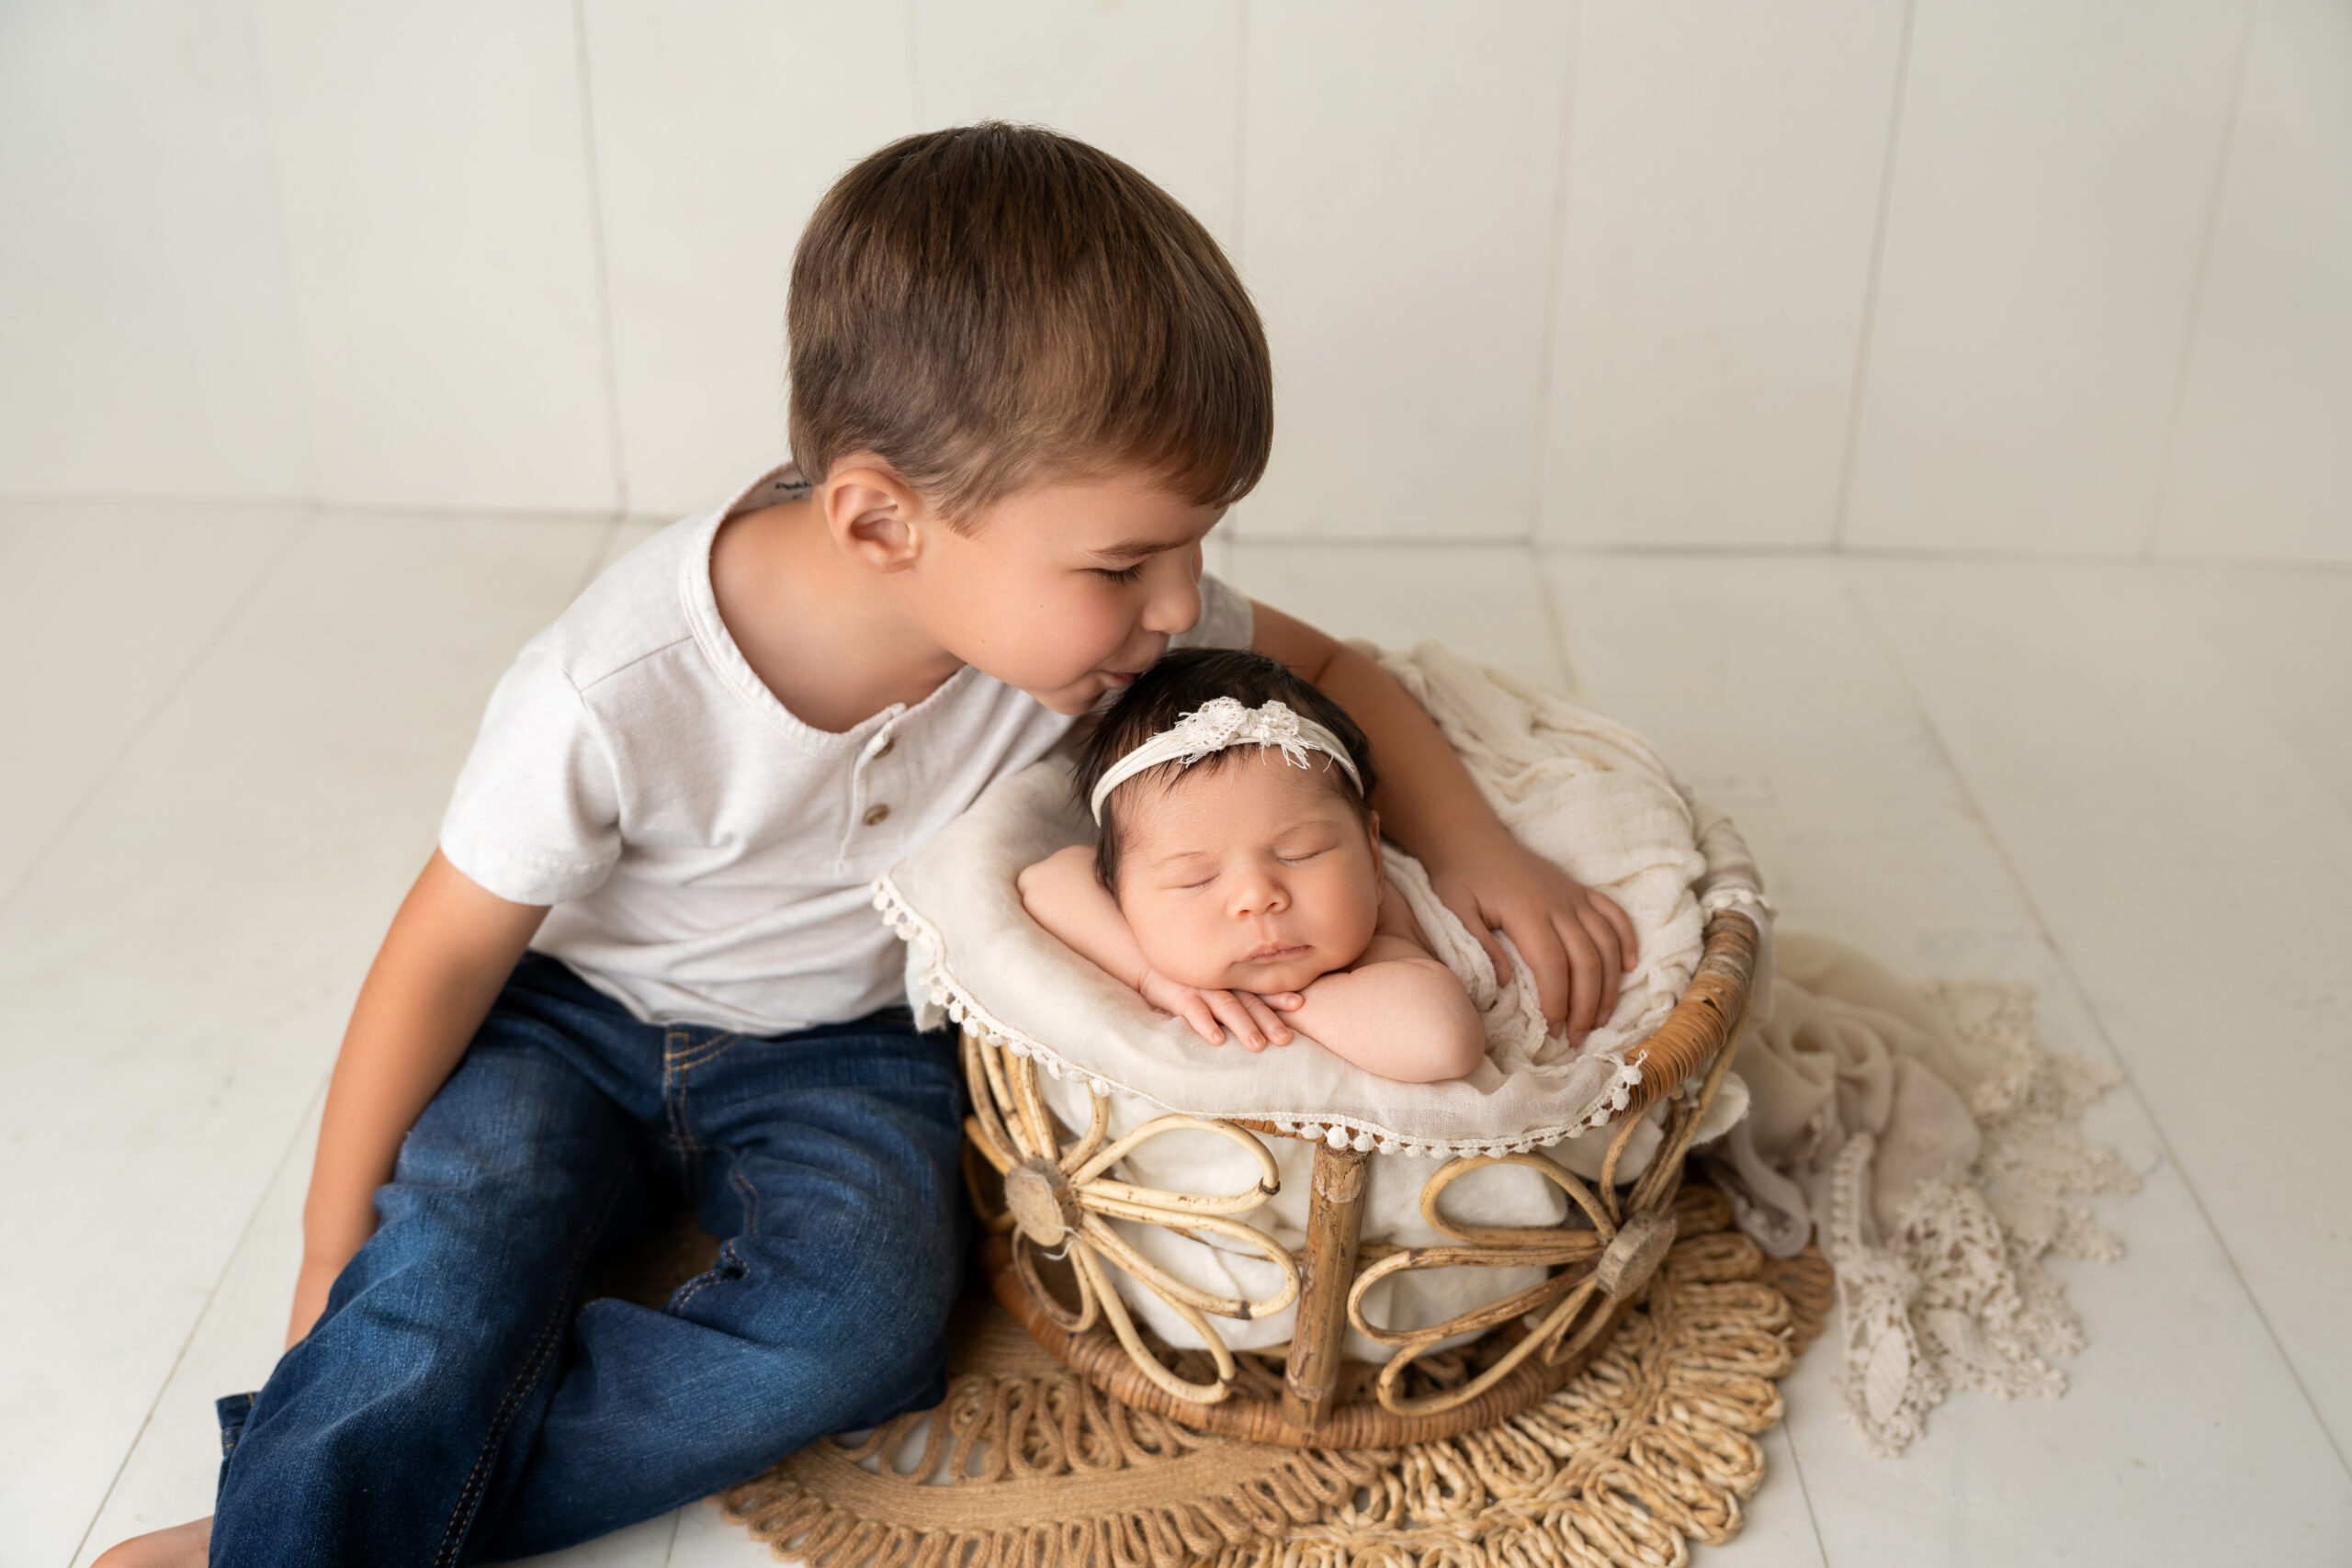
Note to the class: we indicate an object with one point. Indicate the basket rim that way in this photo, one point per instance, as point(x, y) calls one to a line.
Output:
point(1710, 1008)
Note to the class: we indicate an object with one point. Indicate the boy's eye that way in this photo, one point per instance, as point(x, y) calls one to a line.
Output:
point(1122, 574)
point(1302, 857)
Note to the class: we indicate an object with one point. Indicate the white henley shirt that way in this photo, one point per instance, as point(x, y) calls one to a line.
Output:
point(708, 855)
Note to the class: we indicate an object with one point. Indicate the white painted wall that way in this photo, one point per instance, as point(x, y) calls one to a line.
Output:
point(2068, 277)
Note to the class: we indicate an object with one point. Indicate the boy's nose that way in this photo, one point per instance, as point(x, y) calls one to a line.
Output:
point(1175, 603)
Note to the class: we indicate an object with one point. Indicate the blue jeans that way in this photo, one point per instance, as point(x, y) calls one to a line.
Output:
point(457, 1400)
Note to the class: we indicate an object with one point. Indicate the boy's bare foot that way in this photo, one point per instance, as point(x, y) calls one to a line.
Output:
point(181, 1546)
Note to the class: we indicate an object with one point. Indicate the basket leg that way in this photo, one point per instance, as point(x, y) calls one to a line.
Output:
point(1327, 1267)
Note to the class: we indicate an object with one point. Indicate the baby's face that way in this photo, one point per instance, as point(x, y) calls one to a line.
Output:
point(1255, 878)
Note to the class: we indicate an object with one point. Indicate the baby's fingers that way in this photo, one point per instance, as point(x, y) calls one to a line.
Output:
point(1196, 1008)
point(1277, 1032)
point(1233, 1013)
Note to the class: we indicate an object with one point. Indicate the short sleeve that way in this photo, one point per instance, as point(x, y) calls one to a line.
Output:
point(1226, 619)
point(536, 816)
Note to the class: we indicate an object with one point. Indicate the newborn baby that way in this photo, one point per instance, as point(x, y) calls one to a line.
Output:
point(1236, 883)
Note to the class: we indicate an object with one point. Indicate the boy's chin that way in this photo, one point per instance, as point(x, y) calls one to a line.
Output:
point(1076, 700)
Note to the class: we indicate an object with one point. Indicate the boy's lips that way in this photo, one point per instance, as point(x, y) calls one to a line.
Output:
point(1274, 952)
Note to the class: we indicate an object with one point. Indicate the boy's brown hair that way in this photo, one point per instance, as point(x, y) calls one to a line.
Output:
point(991, 306)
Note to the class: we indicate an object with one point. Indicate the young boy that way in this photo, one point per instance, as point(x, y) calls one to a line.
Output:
point(1026, 384)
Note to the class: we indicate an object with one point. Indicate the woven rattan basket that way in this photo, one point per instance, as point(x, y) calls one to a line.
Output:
point(1047, 1192)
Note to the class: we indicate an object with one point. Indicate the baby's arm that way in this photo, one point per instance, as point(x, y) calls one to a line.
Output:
point(1397, 1010)
point(449, 952)
point(1063, 895)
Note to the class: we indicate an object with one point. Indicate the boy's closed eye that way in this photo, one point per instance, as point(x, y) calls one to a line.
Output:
point(1119, 574)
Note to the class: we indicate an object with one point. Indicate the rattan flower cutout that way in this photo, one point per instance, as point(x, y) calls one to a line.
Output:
point(1060, 1204)
point(1598, 1269)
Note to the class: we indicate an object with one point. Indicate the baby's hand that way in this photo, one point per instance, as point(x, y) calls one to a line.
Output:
point(1250, 1017)
point(1578, 942)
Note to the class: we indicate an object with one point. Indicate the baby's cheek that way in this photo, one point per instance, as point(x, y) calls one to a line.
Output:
point(1177, 952)
point(1345, 920)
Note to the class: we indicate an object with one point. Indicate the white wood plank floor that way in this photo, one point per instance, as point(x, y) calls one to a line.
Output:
point(231, 730)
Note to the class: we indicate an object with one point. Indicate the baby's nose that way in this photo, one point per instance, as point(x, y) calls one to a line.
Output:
point(1258, 895)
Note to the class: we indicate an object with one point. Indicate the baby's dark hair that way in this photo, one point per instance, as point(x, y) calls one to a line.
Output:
point(1187, 680)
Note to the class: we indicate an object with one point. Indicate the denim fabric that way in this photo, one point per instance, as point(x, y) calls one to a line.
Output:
point(457, 1400)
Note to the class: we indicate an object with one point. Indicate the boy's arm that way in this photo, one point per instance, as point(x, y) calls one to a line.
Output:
point(1575, 941)
point(449, 952)
point(1063, 895)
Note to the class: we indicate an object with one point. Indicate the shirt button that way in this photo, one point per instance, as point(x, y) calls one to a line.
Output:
point(884, 749)
point(876, 815)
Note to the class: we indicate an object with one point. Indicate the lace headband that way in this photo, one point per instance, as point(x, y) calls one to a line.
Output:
point(1216, 724)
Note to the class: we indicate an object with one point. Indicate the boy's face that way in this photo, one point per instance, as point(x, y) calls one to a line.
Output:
point(1067, 589)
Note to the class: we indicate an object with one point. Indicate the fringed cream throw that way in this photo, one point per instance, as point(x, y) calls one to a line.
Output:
point(1922, 1133)
point(1930, 1140)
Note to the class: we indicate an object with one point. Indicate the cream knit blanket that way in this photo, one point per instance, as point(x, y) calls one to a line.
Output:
point(1921, 1132)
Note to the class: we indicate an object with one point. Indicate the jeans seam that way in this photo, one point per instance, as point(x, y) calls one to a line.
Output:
point(551, 1335)
point(709, 1051)
point(673, 1092)
point(751, 1193)
point(709, 1277)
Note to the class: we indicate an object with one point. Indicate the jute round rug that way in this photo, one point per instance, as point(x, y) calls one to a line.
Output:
point(1026, 1466)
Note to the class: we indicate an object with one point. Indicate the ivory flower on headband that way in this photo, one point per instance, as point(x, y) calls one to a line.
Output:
point(1217, 724)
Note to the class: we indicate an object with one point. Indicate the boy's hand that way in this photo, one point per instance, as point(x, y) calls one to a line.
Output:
point(1250, 1017)
point(1577, 942)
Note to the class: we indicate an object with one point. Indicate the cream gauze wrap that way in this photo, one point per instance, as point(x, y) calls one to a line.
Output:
point(1851, 1068)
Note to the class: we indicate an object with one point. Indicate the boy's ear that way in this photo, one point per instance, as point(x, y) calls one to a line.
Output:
point(1379, 862)
point(872, 514)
